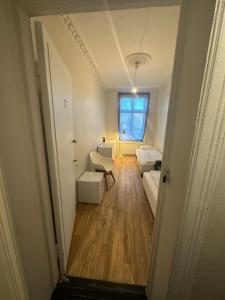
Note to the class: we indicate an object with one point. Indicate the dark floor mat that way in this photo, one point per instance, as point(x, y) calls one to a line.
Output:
point(88, 289)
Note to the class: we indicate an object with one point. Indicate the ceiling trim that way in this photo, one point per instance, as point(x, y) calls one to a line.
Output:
point(78, 40)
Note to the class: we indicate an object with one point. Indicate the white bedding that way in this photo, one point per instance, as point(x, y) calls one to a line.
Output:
point(147, 157)
point(155, 175)
point(151, 186)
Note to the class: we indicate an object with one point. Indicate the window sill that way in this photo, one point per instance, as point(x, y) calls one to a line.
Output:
point(130, 142)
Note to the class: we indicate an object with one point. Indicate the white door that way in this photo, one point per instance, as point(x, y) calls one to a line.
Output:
point(56, 99)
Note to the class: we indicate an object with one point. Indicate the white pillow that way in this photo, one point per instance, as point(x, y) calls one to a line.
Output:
point(145, 147)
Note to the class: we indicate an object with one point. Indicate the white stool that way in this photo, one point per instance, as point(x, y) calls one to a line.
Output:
point(90, 187)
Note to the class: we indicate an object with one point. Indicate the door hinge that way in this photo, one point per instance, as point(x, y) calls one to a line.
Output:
point(165, 175)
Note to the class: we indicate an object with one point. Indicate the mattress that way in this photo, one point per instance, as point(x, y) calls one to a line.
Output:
point(147, 157)
point(151, 187)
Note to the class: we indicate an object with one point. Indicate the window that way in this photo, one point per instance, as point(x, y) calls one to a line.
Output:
point(133, 110)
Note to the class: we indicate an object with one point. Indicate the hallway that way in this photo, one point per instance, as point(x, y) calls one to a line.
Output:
point(112, 241)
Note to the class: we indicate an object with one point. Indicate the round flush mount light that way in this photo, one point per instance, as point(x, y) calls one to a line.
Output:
point(138, 59)
point(134, 90)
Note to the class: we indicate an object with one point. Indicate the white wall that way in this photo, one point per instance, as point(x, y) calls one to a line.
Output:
point(112, 121)
point(112, 115)
point(162, 111)
point(151, 125)
point(88, 93)
point(20, 148)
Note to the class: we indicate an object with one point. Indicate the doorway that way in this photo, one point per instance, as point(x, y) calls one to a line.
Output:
point(119, 231)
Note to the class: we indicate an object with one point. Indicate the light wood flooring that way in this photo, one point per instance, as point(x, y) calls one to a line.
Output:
point(112, 241)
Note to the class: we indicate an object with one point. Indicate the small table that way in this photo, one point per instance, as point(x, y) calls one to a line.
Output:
point(90, 187)
point(107, 149)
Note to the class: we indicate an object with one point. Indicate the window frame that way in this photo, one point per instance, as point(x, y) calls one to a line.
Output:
point(148, 94)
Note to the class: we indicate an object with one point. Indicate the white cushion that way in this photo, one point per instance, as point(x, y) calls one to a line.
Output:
point(151, 186)
point(147, 158)
point(145, 147)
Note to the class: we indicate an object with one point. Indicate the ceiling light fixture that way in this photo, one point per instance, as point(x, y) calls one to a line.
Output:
point(134, 90)
point(139, 59)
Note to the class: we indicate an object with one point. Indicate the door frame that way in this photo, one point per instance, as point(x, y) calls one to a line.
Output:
point(190, 155)
point(15, 285)
point(200, 179)
point(208, 146)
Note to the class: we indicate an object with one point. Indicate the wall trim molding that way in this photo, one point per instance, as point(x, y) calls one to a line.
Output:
point(78, 40)
point(206, 162)
point(9, 252)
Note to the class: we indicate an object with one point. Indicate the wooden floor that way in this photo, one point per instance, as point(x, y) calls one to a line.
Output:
point(112, 241)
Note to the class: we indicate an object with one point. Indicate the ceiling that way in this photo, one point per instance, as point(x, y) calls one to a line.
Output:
point(111, 36)
point(54, 7)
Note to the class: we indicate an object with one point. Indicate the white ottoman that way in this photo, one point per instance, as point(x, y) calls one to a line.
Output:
point(90, 187)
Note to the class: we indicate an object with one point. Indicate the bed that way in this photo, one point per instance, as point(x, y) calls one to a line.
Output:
point(151, 187)
point(147, 156)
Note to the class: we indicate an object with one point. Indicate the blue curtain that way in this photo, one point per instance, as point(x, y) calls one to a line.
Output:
point(133, 110)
